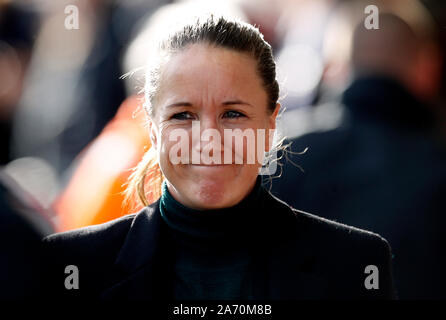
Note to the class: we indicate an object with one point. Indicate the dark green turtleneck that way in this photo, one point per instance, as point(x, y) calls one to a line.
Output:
point(213, 248)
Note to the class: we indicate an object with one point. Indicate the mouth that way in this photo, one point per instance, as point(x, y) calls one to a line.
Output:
point(210, 165)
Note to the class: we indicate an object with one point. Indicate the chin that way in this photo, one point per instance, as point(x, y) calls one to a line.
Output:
point(211, 195)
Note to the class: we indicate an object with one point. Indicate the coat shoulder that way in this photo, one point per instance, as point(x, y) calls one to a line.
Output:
point(328, 232)
point(91, 245)
point(340, 231)
point(341, 256)
point(91, 235)
point(93, 250)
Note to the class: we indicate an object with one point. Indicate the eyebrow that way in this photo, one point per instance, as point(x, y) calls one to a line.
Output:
point(179, 104)
point(226, 103)
point(232, 102)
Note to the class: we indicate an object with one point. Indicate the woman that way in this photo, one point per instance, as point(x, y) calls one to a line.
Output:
point(215, 232)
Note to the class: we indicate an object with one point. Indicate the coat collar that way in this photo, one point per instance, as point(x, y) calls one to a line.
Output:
point(291, 260)
point(134, 267)
point(288, 264)
point(144, 233)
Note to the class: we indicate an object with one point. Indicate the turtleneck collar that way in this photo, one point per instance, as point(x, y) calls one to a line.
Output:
point(218, 224)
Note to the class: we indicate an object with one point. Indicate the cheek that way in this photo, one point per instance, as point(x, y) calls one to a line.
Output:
point(164, 146)
point(174, 146)
point(258, 145)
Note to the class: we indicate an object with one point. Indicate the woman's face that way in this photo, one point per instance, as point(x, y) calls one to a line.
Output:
point(216, 91)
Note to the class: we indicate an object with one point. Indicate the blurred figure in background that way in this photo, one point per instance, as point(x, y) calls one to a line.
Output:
point(438, 10)
point(381, 167)
point(72, 88)
point(300, 57)
point(94, 193)
point(17, 25)
point(23, 223)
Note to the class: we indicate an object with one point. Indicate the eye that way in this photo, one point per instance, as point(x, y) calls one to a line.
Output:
point(233, 114)
point(183, 116)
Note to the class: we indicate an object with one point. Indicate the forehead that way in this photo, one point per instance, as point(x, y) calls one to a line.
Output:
point(204, 70)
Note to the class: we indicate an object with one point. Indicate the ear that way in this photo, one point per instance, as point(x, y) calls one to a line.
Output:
point(153, 133)
point(271, 125)
point(273, 116)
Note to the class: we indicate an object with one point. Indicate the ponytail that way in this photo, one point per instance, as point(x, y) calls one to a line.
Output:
point(146, 174)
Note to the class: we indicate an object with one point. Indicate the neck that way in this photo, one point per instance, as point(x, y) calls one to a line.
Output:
point(210, 224)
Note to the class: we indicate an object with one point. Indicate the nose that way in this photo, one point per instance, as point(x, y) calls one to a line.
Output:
point(209, 142)
point(209, 120)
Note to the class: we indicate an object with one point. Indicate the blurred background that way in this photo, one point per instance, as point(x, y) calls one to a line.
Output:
point(370, 105)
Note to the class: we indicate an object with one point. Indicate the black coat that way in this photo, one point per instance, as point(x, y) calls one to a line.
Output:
point(302, 257)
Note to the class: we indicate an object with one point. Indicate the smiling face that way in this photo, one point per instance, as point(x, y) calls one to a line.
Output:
point(220, 89)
